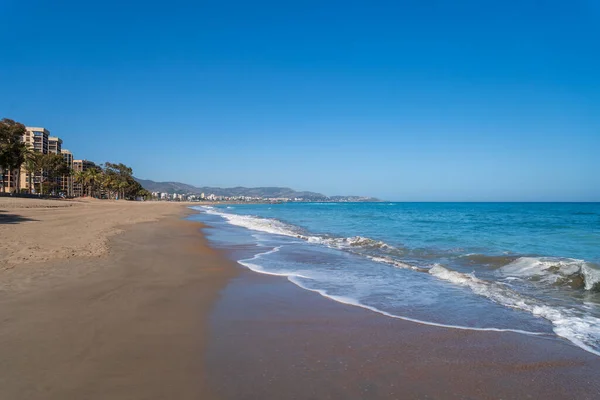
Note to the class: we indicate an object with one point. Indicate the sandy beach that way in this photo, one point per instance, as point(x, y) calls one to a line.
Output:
point(44, 230)
point(104, 315)
point(120, 300)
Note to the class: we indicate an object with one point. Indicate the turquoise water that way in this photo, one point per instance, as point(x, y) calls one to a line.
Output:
point(531, 268)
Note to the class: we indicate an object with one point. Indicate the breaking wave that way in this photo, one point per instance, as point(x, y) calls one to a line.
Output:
point(277, 227)
point(352, 302)
point(555, 271)
point(582, 330)
point(551, 270)
point(572, 324)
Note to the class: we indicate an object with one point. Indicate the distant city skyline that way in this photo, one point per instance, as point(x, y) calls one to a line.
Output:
point(407, 101)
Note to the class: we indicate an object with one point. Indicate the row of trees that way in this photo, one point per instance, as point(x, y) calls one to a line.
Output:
point(114, 181)
point(47, 167)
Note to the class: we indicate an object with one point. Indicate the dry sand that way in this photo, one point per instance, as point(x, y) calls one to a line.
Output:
point(124, 323)
point(41, 230)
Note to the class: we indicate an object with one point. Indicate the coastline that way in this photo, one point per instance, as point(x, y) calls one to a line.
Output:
point(276, 337)
point(162, 313)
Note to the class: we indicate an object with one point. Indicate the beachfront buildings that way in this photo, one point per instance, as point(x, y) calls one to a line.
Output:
point(36, 138)
point(66, 182)
point(8, 180)
point(80, 166)
point(54, 145)
point(39, 140)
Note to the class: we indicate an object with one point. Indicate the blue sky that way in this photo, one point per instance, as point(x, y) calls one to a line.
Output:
point(405, 100)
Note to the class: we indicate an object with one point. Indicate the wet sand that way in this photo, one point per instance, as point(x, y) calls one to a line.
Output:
point(273, 340)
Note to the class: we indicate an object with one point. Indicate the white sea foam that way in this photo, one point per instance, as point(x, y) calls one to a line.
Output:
point(261, 270)
point(258, 268)
point(277, 227)
point(291, 276)
point(353, 302)
point(395, 263)
point(349, 242)
point(552, 269)
point(584, 331)
point(258, 224)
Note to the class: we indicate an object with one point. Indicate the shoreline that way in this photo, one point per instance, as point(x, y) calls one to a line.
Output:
point(163, 313)
point(278, 338)
point(281, 338)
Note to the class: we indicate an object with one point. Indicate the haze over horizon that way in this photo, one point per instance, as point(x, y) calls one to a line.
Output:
point(418, 101)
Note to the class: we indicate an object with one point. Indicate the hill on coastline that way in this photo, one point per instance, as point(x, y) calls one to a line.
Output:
point(264, 192)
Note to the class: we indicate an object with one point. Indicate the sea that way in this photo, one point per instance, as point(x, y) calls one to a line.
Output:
point(529, 268)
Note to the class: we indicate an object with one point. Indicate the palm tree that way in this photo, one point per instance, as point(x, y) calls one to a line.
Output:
point(80, 178)
point(10, 153)
point(42, 162)
point(32, 165)
point(24, 152)
point(113, 184)
point(122, 185)
point(92, 177)
point(54, 167)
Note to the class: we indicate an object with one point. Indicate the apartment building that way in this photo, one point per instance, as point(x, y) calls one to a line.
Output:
point(8, 180)
point(54, 145)
point(80, 166)
point(37, 138)
point(66, 182)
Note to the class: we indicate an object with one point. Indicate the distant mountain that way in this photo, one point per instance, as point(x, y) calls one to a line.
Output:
point(167, 187)
point(265, 192)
